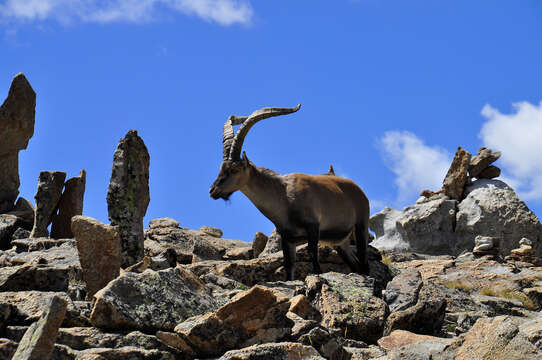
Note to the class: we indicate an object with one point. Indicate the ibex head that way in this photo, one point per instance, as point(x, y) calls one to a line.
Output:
point(235, 170)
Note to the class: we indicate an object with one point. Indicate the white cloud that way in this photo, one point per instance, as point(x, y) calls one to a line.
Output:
point(519, 136)
point(224, 12)
point(417, 166)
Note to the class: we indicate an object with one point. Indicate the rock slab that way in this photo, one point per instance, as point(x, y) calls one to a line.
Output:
point(39, 340)
point(99, 251)
point(50, 184)
point(17, 116)
point(151, 301)
point(457, 175)
point(70, 205)
point(128, 195)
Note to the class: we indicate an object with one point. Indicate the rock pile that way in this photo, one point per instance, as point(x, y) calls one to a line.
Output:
point(462, 216)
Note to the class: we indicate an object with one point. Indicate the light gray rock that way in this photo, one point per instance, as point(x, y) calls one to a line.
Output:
point(492, 208)
point(485, 245)
point(402, 292)
point(128, 195)
point(70, 205)
point(50, 184)
point(39, 340)
point(384, 225)
point(152, 300)
point(17, 117)
point(273, 244)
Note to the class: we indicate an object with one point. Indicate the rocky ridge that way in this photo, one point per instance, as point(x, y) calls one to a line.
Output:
point(461, 279)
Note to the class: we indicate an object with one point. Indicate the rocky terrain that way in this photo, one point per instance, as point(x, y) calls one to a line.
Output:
point(457, 275)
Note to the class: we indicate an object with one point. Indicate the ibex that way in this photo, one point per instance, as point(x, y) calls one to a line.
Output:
point(310, 208)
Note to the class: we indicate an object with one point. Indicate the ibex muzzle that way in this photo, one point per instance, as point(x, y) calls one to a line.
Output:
point(302, 207)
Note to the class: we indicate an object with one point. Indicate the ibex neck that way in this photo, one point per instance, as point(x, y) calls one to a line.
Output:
point(267, 191)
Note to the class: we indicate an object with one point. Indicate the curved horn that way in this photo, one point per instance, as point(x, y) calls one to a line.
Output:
point(256, 116)
point(227, 134)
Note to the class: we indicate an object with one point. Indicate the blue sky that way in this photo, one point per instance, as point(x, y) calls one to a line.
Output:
point(389, 89)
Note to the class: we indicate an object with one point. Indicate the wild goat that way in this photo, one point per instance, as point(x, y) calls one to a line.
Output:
point(310, 208)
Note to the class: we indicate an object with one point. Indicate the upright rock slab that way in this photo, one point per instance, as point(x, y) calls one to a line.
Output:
point(39, 340)
point(128, 195)
point(457, 177)
point(70, 205)
point(50, 184)
point(17, 115)
point(99, 251)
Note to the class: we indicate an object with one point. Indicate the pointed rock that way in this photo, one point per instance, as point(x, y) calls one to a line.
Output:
point(128, 195)
point(17, 116)
point(70, 205)
point(50, 186)
point(457, 177)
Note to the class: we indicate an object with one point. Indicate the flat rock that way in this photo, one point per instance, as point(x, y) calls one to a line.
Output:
point(489, 172)
point(124, 353)
point(346, 302)
point(274, 351)
point(426, 317)
point(34, 277)
point(400, 338)
point(39, 340)
point(29, 306)
point(402, 292)
point(252, 317)
point(482, 161)
point(152, 300)
point(500, 338)
point(212, 231)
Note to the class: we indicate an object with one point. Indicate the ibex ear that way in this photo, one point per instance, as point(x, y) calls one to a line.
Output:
point(245, 159)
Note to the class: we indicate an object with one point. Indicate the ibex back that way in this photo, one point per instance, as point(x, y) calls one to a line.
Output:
point(302, 207)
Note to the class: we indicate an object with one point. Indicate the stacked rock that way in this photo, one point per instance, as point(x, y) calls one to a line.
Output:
point(480, 166)
point(524, 252)
point(485, 245)
point(464, 167)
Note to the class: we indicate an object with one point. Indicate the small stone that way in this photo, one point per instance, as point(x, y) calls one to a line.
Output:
point(70, 205)
point(481, 161)
point(525, 241)
point(400, 338)
point(489, 172)
point(175, 341)
point(258, 244)
point(212, 231)
point(273, 244)
point(128, 195)
point(523, 250)
point(39, 340)
point(456, 178)
point(99, 251)
point(240, 253)
point(50, 186)
point(163, 223)
point(483, 244)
